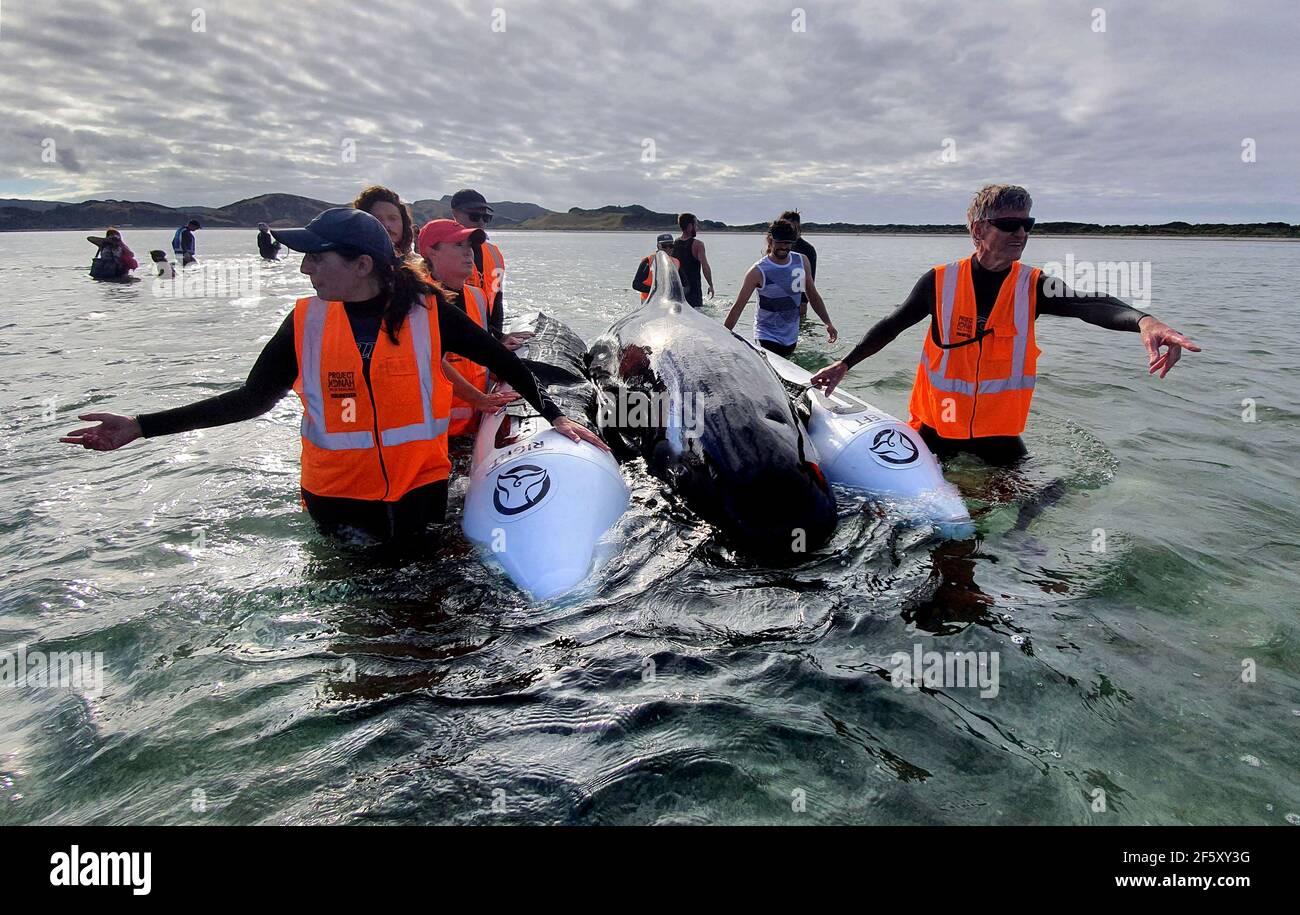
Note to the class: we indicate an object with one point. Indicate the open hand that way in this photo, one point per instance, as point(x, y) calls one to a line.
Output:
point(830, 377)
point(114, 431)
point(578, 432)
point(1155, 334)
point(490, 403)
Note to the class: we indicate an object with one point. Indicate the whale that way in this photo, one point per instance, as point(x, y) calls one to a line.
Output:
point(709, 417)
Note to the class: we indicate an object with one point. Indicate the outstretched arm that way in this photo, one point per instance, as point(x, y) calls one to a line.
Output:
point(1055, 298)
point(747, 288)
point(271, 378)
point(460, 335)
point(916, 308)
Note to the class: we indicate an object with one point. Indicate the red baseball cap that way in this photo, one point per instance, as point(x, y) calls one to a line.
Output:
point(441, 230)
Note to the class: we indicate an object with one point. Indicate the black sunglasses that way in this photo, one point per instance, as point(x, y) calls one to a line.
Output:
point(484, 218)
point(1012, 223)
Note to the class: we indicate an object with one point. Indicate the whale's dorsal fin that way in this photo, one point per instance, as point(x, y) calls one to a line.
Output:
point(667, 291)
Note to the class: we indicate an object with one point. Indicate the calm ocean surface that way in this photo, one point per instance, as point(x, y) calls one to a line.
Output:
point(257, 673)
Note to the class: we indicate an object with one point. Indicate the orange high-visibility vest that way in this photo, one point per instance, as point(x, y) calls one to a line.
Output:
point(650, 276)
point(493, 275)
point(375, 442)
point(464, 418)
point(978, 386)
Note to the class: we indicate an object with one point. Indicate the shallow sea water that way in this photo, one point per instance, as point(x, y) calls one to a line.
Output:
point(257, 673)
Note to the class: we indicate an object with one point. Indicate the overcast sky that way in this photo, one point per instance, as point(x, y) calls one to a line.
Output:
point(847, 119)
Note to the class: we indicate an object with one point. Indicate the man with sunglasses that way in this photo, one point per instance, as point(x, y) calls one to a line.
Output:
point(976, 376)
point(471, 210)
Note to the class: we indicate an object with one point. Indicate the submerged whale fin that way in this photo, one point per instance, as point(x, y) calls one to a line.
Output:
point(667, 290)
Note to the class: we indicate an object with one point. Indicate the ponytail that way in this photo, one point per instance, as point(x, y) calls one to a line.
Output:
point(406, 284)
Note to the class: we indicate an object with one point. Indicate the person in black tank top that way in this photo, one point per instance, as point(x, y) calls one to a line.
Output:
point(693, 260)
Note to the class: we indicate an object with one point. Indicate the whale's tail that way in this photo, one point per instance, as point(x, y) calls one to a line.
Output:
point(667, 290)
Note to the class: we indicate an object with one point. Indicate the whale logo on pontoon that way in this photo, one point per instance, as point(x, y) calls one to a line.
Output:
point(893, 447)
point(520, 488)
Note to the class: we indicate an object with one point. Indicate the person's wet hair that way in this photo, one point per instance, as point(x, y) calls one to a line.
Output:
point(782, 230)
point(377, 193)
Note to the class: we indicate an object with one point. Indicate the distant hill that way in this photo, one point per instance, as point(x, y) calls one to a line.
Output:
point(279, 210)
point(633, 217)
point(40, 206)
point(283, 210)
point(1230, 230)
point(505, 212)
point(97, 214)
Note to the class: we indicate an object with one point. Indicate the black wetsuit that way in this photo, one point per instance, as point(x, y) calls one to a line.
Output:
point(267, 246)
point(802, 246)
point(274, 373)
point(1104, 311)
point(641, 281)
point(689, 271)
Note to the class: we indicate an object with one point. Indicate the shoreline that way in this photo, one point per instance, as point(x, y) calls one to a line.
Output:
point(810, 234)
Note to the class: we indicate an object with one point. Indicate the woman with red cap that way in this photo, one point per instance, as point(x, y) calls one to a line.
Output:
point(365, 356)
point(448, 251)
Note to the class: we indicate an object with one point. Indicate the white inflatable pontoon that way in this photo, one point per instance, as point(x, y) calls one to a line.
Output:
point(538, 503)
point(865, 448)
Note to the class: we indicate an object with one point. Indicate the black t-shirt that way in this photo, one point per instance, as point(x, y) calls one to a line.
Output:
point(804, 247)
point(276, 369)
point(1103, 311)
point(689, 271)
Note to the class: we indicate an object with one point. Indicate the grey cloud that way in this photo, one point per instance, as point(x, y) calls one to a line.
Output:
point(1143, 121)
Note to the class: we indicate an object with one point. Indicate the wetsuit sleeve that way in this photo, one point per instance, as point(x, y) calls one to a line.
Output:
point(1055, 298)
point(640, 282)
point(460, 335)
point(497, 319)
point(916, 308)
point(272, 377)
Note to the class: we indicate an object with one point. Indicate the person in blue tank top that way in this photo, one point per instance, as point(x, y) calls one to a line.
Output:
point(780, 279)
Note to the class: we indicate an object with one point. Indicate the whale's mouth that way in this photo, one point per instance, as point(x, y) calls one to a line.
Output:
point(778, 514)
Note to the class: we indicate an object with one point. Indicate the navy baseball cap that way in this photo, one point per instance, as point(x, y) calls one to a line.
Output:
point(665, 239)
point(470, 200)
point(340, 228)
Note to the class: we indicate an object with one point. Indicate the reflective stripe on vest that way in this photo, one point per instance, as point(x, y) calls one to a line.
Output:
point(429, 428)
point(313, 418)
point(1017, 380)
point(494, 274)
